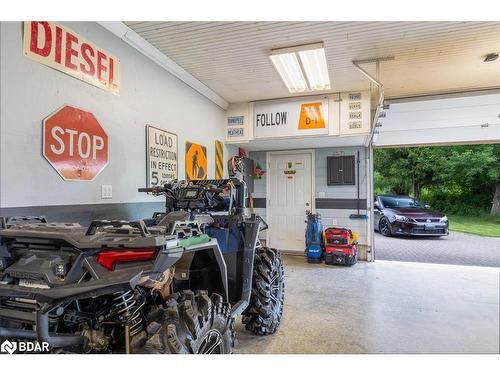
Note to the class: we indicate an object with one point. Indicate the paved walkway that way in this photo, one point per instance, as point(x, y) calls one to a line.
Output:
point(457, 248)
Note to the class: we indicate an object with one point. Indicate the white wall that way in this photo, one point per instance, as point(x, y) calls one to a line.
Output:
point(149, 95)
point(340, 217)
point(330, 217)
point(323, 190)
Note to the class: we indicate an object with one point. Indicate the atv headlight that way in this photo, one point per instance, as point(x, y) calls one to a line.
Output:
point(444, 219)
point(402, 218)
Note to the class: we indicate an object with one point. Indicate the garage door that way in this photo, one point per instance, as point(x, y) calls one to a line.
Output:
point(465, 119)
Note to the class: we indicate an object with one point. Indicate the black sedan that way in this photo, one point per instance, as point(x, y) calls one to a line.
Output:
point(403, 215)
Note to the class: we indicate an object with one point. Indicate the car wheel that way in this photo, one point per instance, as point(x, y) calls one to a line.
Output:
point(384, 227)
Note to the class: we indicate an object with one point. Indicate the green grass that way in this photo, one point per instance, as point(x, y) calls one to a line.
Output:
point(481, 225)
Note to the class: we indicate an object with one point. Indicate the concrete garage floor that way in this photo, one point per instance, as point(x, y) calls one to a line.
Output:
point(384, 307)
point(457, 248)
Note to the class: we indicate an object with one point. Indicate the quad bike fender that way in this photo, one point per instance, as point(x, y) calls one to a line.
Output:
point(252, 228)
point(188, 264)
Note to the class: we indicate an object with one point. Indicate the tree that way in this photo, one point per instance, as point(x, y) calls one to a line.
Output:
point(476, 169)
point(458, 178)
point(407, 170)
point(495, 204)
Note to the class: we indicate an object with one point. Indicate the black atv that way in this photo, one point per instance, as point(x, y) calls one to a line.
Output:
point(175, 285)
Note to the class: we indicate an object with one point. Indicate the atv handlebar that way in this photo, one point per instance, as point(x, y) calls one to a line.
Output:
point(208, 193)
point(156, 190)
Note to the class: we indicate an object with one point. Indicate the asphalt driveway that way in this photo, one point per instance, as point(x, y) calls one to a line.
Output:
point(457, 248)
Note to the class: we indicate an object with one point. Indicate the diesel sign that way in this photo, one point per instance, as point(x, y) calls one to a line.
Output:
point(60, 48)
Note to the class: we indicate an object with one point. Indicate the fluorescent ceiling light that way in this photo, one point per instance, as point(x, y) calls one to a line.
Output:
point(314, 63)
point(290, 72)
point(302, 68)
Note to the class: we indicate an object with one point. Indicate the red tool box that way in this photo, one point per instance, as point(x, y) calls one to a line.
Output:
point(341, 246)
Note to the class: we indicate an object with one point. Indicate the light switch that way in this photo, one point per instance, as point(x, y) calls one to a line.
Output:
point(106, 191)
point(321, 194)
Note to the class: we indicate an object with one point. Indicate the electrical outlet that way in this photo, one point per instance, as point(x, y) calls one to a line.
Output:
point(106, 191)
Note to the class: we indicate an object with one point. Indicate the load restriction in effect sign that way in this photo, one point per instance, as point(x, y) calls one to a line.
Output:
point(161, 157)
point(62, 49)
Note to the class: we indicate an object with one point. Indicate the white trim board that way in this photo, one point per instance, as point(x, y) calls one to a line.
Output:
point(130, 37)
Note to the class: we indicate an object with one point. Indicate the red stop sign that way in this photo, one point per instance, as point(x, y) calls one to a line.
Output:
point(75, 143)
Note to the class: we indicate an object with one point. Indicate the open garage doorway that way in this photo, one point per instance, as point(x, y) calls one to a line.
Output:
point(439, 202)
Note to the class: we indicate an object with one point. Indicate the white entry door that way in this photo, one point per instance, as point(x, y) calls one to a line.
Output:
point(289, 195)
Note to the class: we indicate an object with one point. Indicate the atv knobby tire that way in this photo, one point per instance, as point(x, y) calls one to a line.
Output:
point(195, 323)
point(263, 314)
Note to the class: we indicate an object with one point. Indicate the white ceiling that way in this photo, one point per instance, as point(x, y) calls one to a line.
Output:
point(232, 59)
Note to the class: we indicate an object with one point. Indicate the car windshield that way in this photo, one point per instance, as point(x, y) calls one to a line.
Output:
point(400, 202)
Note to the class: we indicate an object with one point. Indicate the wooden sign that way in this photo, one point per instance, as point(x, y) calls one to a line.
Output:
point(60, 48)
